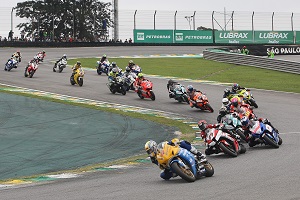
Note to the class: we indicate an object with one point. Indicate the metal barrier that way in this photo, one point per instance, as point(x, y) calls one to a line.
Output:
point(255, 61)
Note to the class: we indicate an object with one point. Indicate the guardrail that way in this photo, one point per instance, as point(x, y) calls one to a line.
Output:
point(255, 61)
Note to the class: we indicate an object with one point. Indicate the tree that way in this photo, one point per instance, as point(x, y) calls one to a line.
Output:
point(80, 18)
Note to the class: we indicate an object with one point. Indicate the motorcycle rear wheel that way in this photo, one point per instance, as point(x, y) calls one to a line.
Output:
point(185, 174)
point(231, 151)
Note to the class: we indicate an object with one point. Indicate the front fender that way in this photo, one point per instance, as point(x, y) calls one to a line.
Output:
point(185, 159)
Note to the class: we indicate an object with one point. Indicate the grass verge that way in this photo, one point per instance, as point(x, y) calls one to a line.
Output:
point(201, 69)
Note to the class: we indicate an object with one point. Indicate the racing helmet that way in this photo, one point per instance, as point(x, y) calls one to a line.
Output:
point(140, 75)
point(127, 69)
point(225, 101)
point(235, 87)
point(190, 88)
point(78, 63)
point(65, 56)
point(202, 124)
point(114, 70)
point(235, 101)
point(104, 56)
point(151, 148)
point(175, 141)
point(131, 62)
point(114, 64)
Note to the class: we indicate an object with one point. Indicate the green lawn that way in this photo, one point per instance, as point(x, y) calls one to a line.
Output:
point(201, 69)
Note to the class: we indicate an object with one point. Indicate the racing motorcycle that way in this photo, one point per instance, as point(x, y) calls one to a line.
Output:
point(77, 77)
point(60, 65)
point(31, 69)
point(136, 69)
point(219, 140)
point(248, 97)
point(264, 134)
point(10, 64)
point(232, 120)
point(146, 90)
point(40, 57)
point(180, 94)
point(182, 162)
point(103, 67)
point(200, 101)
point(117, 85)
point(129, 81)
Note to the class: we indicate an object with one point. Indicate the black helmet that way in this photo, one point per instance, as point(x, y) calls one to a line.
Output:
point(78, 63)
point(113, 64)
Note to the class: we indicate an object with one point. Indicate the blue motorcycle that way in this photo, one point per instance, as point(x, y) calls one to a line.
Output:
point(11, 63)
point(182, 162)
point(102, 67)
point(264, 134)
point(180, 94)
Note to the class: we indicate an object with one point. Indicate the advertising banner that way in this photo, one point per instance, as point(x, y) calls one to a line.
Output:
point(153, 36)
point(191, 36)
point(234, 37)
point(274, 37)
point(297, 37)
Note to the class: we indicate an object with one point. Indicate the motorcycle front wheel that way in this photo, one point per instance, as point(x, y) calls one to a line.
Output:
point(270, 141)
point(31, 73)
point(80, 81)
point(209, 169)
point(152, 96)
point(253, 103)
point(229, 150)
point(184, 173)
point(208, 107)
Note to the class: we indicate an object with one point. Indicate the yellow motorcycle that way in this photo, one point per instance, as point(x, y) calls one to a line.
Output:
point(248, 98)
point(182, 162)
point(77, 77)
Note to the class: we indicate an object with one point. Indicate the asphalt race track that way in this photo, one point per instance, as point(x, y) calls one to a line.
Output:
point(261, 173)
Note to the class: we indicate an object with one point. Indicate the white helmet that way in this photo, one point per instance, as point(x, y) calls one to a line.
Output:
point(225, 101)
point(151, 148)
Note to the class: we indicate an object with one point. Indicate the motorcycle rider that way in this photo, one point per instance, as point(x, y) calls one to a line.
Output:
point(205, 128)
point(139, 79)
point(40, 56)
point(151, 149)
point(114, 65)
point(249, 127)
point(17, 55)
point(191, 92)
point(75, 67)
point(171, 85)
point(64, 57)
point(238, 106)
point(13, 61)
point(226, 104)
point(103, 59)
point(112, 76)
point(236, 88)
point(131, 64)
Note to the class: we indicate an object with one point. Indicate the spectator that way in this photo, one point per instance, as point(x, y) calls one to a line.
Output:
point(126, 41)
point(10, 35)
point(130, 40)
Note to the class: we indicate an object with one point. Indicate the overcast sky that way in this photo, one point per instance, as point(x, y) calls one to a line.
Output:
point(201, 5)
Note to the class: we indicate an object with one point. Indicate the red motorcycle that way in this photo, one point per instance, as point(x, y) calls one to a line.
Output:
point(30, 69)
point(218, 141)
point(200, 101)
point(146, 90)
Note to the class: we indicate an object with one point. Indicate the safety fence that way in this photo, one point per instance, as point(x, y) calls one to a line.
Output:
point(251, 60)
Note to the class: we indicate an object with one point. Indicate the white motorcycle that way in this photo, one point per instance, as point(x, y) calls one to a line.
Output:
point(60, 65)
